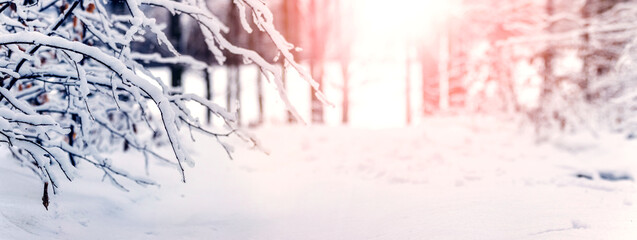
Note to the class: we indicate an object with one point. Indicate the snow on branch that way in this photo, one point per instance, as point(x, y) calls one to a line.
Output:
point(71, 84)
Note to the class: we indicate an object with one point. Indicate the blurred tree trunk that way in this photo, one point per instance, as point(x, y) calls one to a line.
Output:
point(547, 56)
point(71, 137)
point(429, 75)
point(345, 103)
point(260, 97)
point(344, 41)
point(543, 115)
point(237, 82)
point(229, 88)
point(234, 62)
point(507, 89)
point(233, 91)
point(317, 37)
point(290, 29)
point(118, 7)
point(208, 79)
point(443, 70)
point(316, 104)
point(458, 45)
point(254, 41)
point(587, 13)
point(290, 116)
point(176, 70)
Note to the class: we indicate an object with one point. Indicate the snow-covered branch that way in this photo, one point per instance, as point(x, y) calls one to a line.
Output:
point(72, 86)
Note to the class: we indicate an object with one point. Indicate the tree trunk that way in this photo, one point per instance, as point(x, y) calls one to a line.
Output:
point(260, 97)
point(233, 90)
point(443, 69)
point(237, 87)
point(510, 95)
point(175, 32)
point(318, 31)
point(547, 56)
point(290, 116)
point(176, 72)
point(345, 103)
point(229, 88)
point(316, 104)
point(71, 137)
point(208, 79)
point(45, 196)
point(429, 74)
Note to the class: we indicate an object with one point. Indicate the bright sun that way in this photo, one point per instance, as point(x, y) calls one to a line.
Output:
point(407, 13)
point(382, 22)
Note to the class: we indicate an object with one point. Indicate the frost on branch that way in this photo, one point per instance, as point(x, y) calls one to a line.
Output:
point(71, 84)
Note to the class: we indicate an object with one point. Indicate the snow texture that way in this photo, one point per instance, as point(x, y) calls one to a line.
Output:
point(448, 178)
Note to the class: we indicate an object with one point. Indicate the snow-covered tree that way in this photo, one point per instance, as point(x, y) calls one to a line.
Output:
point(610, 62)
point(72, 83)
point(585, 48)
point(551, 33)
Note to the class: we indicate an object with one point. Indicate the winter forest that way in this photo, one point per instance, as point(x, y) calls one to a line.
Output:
point(318, 119)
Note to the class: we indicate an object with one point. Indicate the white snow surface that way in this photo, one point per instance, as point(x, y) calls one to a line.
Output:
point(447, 178)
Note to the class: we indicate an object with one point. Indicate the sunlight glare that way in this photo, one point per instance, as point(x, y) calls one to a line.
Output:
point(406, 17)
point(401, 22)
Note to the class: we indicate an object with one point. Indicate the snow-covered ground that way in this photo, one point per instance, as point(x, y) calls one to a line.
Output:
point(447, 178)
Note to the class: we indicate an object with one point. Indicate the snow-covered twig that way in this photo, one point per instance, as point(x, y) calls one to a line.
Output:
point(72, 86)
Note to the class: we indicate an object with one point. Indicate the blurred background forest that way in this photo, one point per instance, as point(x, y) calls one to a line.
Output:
point(561, 66)
point(419, 137)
